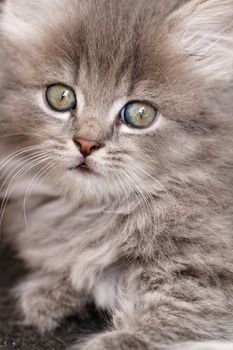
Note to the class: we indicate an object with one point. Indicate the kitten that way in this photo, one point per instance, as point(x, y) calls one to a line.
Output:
point(116, 147)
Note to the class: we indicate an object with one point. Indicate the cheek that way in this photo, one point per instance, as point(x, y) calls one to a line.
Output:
point(146, 159)
point(139, 150)
point(183, 151)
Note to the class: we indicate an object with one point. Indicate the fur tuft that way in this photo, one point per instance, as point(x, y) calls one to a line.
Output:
point(204, 29)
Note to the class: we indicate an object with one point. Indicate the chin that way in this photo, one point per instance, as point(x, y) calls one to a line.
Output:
point(88, 186)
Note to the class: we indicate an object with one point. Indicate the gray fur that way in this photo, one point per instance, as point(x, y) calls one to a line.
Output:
point(149, 239)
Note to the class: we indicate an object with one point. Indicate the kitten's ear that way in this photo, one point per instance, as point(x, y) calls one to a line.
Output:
point(20, 19)
point(23, 19)
point(204, 30)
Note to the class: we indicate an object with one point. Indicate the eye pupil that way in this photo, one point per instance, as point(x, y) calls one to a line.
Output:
point(138, 115)
point(61, 98)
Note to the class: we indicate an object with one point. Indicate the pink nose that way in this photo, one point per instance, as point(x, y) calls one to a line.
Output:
point(86, 147)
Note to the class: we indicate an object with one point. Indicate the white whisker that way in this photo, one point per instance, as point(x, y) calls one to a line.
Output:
point(35, 179)
point(11, 184)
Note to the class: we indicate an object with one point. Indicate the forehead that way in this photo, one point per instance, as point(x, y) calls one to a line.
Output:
point(106, 44)
point(105, 47)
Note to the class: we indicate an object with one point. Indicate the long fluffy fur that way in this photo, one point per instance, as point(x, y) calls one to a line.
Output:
point(150, 239)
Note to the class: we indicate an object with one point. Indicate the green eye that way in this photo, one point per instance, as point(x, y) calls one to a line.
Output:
point(61, 98)
point(139, 115)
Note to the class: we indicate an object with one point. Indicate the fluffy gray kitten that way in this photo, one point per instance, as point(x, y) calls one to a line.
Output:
point(116, 129)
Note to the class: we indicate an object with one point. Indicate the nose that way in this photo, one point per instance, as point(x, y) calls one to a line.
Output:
point(86, 147)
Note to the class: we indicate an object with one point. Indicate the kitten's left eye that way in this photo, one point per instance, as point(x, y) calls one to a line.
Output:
point(61, 98)
point(138, 115)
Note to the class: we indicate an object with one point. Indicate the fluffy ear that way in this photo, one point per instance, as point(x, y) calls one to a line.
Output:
point(204, 31)
point(19, 18)
point(24, 19)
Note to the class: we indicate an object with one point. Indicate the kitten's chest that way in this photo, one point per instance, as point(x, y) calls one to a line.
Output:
point(96, 271)
point(106, 290)
point(79, 240)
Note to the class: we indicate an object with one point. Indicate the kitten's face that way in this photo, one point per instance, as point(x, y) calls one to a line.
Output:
point(105, 94)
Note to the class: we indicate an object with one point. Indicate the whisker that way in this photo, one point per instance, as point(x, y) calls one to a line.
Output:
point(141, 200)
point(162, 188)
point(33, 156)
point(11, 185)
point(124, 190)
point(35, 179)
point(16, 154)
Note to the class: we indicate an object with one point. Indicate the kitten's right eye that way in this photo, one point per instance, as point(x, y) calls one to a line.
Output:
point(139, 115)
point(61, 97)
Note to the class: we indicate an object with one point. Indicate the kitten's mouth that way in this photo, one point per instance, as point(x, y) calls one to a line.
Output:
point(82, 168)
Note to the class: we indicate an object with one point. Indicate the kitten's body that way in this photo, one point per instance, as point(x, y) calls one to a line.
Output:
point(153, 243)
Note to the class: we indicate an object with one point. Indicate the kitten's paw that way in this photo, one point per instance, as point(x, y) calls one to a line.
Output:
point(44, 301)
point(117, 340)
point(36, 312)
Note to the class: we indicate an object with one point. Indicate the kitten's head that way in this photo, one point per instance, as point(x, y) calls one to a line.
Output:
point(113, 97)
